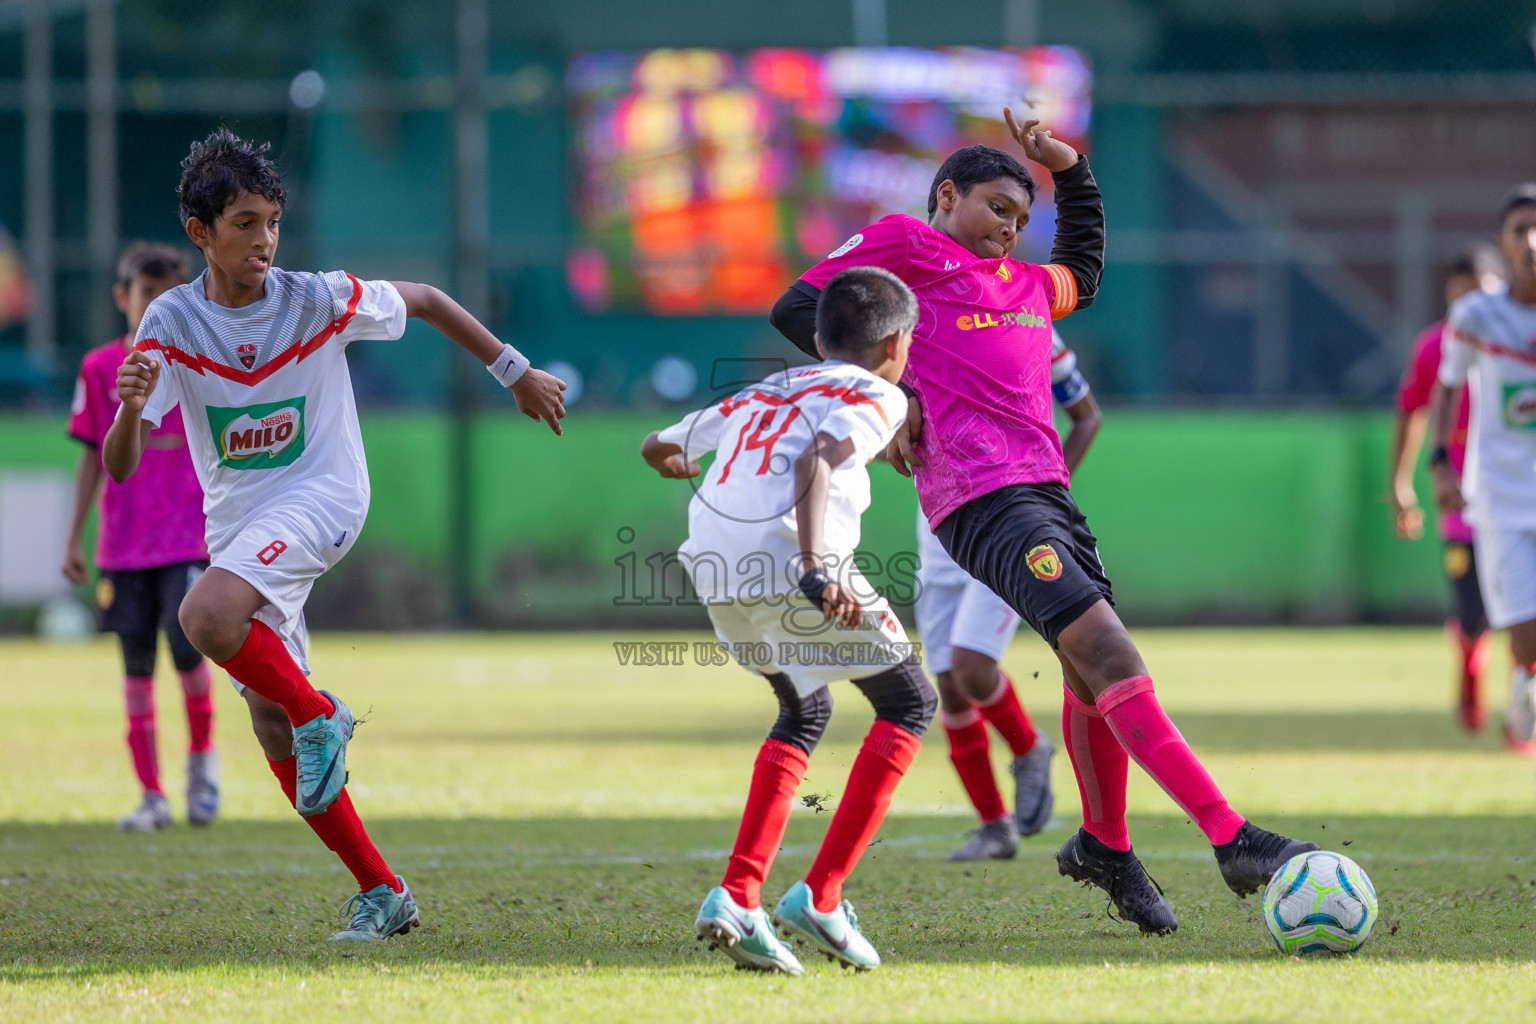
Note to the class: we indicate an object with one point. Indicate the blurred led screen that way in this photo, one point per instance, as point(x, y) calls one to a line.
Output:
point(705, 181)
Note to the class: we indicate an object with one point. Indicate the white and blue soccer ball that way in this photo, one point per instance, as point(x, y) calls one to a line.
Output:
point(1319, 902)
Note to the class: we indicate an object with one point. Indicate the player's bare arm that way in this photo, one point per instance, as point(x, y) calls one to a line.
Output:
point(1407, 438)
point(667, 458)
point(813, 482)
point(1086, 418)
point(899, 452)
point(124, 443)
point(87, 477)
point(1442, 403)
point(539, 395)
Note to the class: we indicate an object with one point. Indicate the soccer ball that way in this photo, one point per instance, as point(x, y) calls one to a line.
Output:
point(1319, 902)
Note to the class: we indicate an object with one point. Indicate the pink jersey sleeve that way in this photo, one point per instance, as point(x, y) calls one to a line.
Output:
point(91, 412)
point(883, 244)
point(1423, 370)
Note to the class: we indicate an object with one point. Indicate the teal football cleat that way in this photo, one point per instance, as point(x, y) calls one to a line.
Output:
point(834, 935)
point(320, 744)
point(746, 936)
point(379, 914)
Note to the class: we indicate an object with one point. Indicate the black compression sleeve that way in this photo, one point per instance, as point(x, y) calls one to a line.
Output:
point(1079, 244)
point(795, 316)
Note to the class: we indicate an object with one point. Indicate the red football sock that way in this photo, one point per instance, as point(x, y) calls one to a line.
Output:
point(1102, 769)
point(777, 774)
point(1007, 716)
point(1132, 710)
point(341, 830)
point(139, 695)
point(887, 753)
point(265, 666)
point(197, 692)
point(968, 742)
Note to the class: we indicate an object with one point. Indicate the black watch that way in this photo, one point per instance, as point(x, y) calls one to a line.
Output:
point(1438, 454)
point(813, 583)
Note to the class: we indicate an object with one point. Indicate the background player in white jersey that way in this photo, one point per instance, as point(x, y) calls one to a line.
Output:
point(255, 357)
point(771, 535)
point(1490, 346)
point(965, 629)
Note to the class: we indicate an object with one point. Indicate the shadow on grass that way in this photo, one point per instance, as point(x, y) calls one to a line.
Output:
point(1207, 731)
point(79, 902)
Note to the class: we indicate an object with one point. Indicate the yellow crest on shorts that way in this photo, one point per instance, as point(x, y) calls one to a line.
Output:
point(1044, 562)
point(1458, 561)
point(105, 593)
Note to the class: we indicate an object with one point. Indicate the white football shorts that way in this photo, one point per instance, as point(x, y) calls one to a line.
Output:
point(787, 634)
point(281, 552)
point(1506, 570)
point(956, 610)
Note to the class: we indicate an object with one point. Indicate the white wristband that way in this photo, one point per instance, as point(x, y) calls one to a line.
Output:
point(509, 367)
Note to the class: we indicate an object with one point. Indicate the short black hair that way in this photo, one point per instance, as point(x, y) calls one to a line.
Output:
point(861, 307)
point(221, 167)
point(1523, 194)
point(152, 259)
point(1477, 260)
point(973, 165)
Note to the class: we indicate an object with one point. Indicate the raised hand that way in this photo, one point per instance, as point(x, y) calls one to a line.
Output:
point(540, 396)
point(1038, 144)
point(136, 380)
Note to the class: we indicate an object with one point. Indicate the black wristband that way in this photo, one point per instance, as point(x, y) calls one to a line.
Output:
point(1438, 454)
point(813, 583)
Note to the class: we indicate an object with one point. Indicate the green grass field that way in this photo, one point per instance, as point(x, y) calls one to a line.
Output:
point(560, 817)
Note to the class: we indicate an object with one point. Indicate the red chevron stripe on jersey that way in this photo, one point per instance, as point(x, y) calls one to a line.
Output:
point(298, 351)
point(1493, 348)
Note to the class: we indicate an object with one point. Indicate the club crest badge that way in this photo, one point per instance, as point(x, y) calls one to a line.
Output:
point(1044, 562)
point(247, 354)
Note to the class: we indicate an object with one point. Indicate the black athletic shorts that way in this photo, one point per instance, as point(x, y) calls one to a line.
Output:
point(1031, 545)
point(1466, 595)
point(137, 604)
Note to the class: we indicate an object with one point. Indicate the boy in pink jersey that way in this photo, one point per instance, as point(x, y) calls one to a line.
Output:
point(1478, 268)
point(149, 550)
point(993, 484)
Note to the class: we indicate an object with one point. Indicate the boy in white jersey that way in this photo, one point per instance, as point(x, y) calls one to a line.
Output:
point(966, 628)
point(255, 358)
point(771, 536)
point(1490, 345)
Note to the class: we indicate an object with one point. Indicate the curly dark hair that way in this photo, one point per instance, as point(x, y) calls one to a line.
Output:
point(972, 165)
point(221, 167)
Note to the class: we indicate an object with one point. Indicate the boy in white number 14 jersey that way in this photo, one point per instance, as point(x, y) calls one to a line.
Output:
point(771, 536)
point(255, 357)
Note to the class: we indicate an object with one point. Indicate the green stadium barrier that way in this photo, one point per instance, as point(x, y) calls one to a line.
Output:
point(1201, 516)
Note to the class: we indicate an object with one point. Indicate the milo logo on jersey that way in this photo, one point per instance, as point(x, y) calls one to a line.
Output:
point(1520, 405)
point(263, 436)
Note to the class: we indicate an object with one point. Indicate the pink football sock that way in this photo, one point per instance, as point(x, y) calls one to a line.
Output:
point(197, 692)
point(139, 695)
point(1133, 712)
point(1101, 767)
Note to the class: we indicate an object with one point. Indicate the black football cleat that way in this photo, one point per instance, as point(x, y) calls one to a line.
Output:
point(1253, 856)
point(1135, 896)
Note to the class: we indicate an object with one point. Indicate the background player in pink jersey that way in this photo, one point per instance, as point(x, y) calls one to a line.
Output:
point(1478, 268)
point(992, 482)
point(149, 550)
